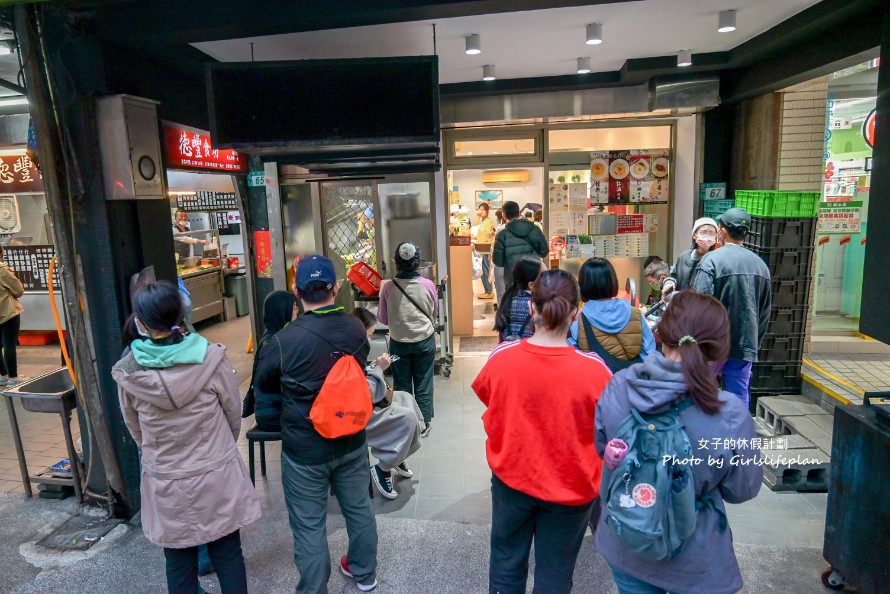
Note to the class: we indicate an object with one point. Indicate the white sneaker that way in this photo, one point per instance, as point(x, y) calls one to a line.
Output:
point(403, 470)
point(426, 430)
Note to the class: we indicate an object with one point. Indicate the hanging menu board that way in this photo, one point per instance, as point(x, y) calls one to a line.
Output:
point(204, 201)
point(637, 175)
point(31, 265)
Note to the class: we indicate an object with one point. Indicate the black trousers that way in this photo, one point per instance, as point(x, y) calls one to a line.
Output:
point(9, 336)
point(413, 372)
point(225, 553)
point(557, 530)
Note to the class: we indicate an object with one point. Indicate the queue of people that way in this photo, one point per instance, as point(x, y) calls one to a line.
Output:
point(564, 455)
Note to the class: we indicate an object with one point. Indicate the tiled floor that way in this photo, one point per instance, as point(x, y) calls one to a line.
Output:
point(849, 375)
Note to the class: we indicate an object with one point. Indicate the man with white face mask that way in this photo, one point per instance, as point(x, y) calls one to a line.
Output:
point(704, 239)
point(740, 279)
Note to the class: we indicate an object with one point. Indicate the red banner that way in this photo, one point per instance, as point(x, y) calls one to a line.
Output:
point(19, 174)
point(191, 149)
point(262, 242)
point(634, 223)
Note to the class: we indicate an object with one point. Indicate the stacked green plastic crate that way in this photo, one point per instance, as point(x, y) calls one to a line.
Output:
point(783, 227)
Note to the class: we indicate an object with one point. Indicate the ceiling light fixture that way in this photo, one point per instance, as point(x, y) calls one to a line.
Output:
point(726, 21)
point(488, 72)
point(474, 44)
point(594, 33)
point(15, 100)
point(583, 65)
point(684, 58)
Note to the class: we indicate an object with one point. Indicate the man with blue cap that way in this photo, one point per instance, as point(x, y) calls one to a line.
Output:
point(296, 363)
point(740, 279)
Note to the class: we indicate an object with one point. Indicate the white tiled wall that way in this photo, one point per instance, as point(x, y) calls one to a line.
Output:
point(803, 136)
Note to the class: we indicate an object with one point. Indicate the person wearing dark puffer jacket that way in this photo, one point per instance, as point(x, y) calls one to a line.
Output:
point(519, 238)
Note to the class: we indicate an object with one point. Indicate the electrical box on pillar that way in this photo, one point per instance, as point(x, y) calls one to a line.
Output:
point(130, 144)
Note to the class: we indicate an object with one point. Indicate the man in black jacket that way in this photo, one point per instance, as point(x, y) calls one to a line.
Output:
point(740, 279)
point(295, 363)
point(519, 238)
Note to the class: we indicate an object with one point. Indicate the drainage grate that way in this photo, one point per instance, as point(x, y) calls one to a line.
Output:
point(79, 533)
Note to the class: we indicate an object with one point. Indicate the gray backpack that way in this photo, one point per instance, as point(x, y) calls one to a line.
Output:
point(650, 504)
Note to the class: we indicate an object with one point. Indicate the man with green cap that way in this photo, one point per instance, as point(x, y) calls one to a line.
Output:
point(740, 279)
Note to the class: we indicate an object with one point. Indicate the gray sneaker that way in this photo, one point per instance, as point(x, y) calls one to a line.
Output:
point(403, 470)
point(425, 432)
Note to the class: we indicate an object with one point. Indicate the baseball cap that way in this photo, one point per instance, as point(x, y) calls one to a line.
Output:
point(735, 218)
point(315, 269)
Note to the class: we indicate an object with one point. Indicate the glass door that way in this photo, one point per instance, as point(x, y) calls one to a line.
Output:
point(350, 212)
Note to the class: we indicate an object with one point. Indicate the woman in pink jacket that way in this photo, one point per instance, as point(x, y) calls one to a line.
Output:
point(180, 401)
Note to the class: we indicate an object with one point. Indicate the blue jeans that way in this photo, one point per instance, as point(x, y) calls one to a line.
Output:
point(737, 378)
point(306, 496)
point(628, 584)
point(486, 272)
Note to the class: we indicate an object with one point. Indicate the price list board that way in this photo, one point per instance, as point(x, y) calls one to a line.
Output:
point(31, 265)
point(204, 201)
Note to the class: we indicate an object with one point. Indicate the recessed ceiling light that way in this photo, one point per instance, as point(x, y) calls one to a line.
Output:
point(488, 72)
point(583, 65)
point(594, 33)
point(474, 44)
point(726, 21)
point(684, 58)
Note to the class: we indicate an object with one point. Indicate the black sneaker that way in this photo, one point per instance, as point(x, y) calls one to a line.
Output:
point(403, 470)
point(425, 432)
point(383, 482)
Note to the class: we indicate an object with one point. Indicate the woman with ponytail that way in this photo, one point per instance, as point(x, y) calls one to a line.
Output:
point(179, 398)
point(694, 333)
point(541, 395)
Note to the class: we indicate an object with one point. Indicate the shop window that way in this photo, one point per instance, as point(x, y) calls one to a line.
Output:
point(468, 148)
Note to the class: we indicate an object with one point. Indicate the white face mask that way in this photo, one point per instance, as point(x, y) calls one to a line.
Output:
point(141, 329)
point(705, 242)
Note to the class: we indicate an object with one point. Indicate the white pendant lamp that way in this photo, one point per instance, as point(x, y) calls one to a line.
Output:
point(583, 65)
point(474, 44)
point(726, 21)
point(684, 58)
point(488, 72)
point(594, 33)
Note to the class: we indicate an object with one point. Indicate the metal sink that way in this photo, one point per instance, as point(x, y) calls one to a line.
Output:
point(52, 392)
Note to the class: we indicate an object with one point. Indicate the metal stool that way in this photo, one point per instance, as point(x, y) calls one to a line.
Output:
point(257, 435)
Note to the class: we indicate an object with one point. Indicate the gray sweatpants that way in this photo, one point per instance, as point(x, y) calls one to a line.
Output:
point(306, 495)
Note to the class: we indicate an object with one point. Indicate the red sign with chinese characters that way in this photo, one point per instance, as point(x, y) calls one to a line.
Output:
point(191, 149)
point(19, 174)
point(262, 243)
point(634, 223)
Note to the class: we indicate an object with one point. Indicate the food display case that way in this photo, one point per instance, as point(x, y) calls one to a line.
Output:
point(202, 272)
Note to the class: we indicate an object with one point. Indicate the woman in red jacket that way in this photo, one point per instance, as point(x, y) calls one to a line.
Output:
point(545, 469)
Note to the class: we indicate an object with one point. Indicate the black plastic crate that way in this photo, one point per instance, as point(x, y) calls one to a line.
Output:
point(788, 320)
point(786, 262)
point(775, 377)
point(790, 291)
point(781, 347)
point(782, 233)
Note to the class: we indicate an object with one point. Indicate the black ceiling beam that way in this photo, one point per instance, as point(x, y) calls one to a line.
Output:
point(824, 38)
point(178, 22)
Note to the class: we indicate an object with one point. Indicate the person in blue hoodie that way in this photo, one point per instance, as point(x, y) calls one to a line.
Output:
point(609, 326)
point(694, 333)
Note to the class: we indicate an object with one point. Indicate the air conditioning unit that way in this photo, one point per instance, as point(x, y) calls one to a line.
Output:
point(10, 221)
point(512, 176)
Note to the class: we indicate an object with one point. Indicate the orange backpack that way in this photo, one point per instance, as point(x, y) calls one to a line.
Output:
point(343, 405)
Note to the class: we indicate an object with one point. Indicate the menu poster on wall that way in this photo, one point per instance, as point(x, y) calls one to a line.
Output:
point(559, 209)
point(573, 246)
point(602, 224)
point(578, 200)
point(578, 223)
point(640, 184)
point(619, 170)
point(599, 177)
point(31, 265)
point(839, 218)
point(559, 222)
point(660, 165)
point(634, 223)
point(650, 223)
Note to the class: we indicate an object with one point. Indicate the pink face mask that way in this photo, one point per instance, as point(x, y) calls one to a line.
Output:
point(705, 242)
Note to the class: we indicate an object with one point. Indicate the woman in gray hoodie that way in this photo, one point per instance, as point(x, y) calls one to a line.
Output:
point(694, 332)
